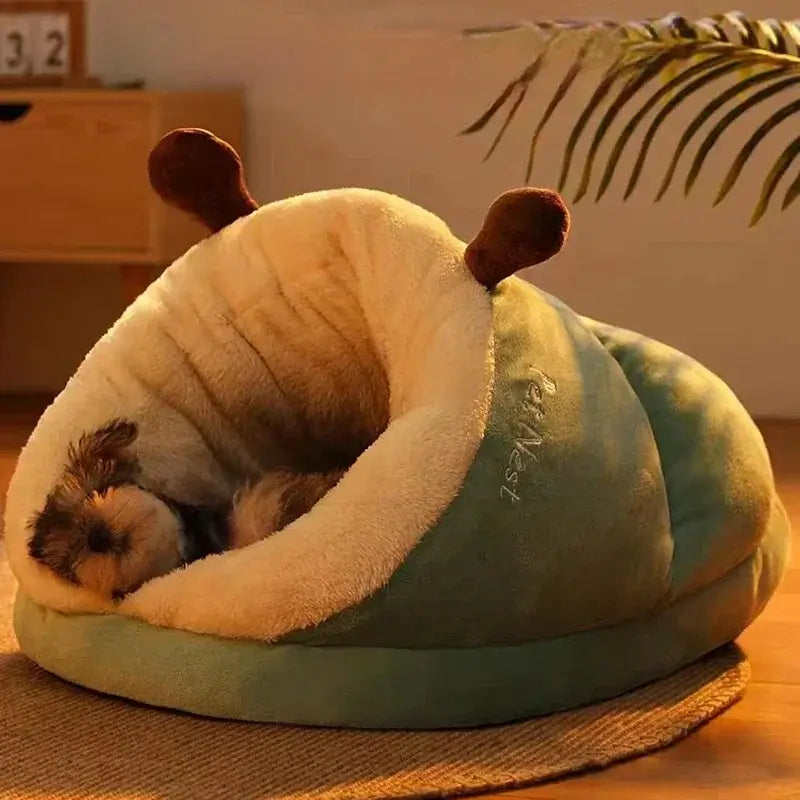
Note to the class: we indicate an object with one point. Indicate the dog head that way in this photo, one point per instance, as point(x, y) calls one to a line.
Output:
point(99, 529)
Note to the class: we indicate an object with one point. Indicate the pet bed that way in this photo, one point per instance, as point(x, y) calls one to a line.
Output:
point(555, 510)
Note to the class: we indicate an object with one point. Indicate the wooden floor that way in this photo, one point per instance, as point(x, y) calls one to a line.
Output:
point(752, 751)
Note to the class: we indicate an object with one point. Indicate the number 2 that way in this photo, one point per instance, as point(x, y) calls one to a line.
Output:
point(51, 46)
point(55, 54)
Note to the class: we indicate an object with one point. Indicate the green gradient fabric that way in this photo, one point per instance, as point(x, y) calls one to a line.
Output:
point(619, 521)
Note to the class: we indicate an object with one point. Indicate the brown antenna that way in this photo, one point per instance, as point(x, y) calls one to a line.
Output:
point(523, 227)
point(199, 173)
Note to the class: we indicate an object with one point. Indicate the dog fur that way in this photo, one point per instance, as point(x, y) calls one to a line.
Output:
point(278, 498)
point(102, 530)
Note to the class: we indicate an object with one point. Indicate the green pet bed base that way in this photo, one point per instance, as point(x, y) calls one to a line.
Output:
point(375, 687)
point(411, 657)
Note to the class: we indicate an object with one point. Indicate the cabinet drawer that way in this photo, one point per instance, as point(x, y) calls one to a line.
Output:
point(72, 174)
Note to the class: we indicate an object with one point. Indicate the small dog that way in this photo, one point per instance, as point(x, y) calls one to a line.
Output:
point(101, 529)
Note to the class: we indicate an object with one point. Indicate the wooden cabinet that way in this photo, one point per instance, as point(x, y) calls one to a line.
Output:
point(73, 175)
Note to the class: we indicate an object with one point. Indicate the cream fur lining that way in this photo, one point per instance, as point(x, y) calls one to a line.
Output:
point(390, 279)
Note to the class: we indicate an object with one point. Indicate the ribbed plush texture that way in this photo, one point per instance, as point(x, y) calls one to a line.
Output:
point(262, 340)
point(58, 741)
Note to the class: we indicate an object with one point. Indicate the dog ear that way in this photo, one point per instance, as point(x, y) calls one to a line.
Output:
point(52, 542)
point(200, 174)
point(102, 458)
point(523, 227)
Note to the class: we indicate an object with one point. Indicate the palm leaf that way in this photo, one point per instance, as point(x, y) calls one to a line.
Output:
point(772, 32)
point(791, 193)
point(665, 91)
point(725, 68)
point(560, 94)
point(611, 76)
point(744, 27)
point(737, 111)
point(778, 170)
point(750, 145)
point(698, 122)
point(641, 77)
point(657, 66)
point(520, 87)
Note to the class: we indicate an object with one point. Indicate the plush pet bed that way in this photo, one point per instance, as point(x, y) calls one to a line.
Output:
point(545, 510)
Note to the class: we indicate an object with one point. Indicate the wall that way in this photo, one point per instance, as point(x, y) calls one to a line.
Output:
point(350, 92)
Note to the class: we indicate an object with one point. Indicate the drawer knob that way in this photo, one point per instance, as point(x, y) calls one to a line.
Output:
point(13, 112)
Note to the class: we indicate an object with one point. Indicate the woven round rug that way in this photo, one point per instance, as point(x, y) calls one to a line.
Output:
point(59, 741)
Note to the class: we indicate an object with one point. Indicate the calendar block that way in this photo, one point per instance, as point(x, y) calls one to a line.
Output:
point(51, 45)
point(16, 44)
point(42, 42)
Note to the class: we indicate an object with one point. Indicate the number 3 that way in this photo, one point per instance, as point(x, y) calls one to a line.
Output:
point(16, 43)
